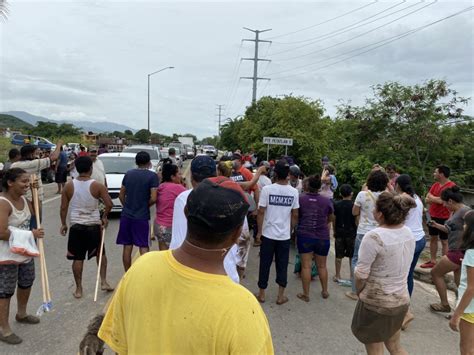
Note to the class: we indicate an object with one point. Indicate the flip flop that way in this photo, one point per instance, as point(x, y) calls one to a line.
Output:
point(283, 301)
point(438, 307)
point(325, 294)
point(257, 243)
point(352, 296)
point(11, 339)
point(335, 279)
point(29, 319)
point(107, 288)
point(258, 298)
point(303, 297)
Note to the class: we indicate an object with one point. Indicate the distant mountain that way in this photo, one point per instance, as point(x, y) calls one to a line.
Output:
point(14, 123)
point(96, 127)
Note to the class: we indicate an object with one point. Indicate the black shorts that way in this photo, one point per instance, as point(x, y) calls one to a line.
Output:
point(61, 175)
point(435, 232)
point(344, 243)
point(83, 240)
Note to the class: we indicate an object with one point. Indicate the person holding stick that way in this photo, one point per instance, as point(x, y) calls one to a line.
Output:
point(15, 211)
point(83, 194)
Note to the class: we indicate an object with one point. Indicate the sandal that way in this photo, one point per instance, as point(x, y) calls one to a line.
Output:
point(11, 339)
point(257, 243)
point(335, 279)
point(325, 294)
point(29, 319)
point(303, 297)
point(438, 307)
point(282, 301)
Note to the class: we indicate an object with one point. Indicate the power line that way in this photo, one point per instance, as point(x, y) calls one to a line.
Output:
point(352, 38)
point(324, 22)
point(233, 82)
point(386, 41)
point(348, 28)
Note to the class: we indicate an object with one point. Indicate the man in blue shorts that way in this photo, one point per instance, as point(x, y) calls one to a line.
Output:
point(137, 194)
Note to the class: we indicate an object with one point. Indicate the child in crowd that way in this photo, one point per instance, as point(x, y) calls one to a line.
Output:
point(345, 229)
point(463, 317)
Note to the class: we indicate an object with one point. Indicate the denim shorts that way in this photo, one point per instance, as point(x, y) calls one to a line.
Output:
point(319, 247)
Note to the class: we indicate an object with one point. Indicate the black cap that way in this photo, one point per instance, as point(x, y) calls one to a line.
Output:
point(282, 168)
point(236, 156)
point(217, 204)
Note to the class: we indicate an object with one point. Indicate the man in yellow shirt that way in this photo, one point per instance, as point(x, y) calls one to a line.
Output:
point(181, 301)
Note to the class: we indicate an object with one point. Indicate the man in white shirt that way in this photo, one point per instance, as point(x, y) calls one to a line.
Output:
point(202, 167)
point(277, 216)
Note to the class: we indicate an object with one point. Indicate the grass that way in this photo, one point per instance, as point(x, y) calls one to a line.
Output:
point(5, 146)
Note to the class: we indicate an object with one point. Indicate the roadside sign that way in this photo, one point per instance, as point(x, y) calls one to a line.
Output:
point(277, 141)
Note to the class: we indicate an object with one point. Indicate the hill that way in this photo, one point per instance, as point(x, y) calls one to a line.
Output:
point(12, 122)
point(96, 127)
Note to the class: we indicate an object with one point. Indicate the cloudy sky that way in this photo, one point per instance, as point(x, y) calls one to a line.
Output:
point(89, 60)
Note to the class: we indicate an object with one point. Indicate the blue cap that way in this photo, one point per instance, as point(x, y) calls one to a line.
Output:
point(203, 165)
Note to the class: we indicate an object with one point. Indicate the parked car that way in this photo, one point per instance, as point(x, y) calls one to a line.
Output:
point(154, 152)
point(116, 165)
point(42, 143)
point(179, 147)
point(189, 152)
point(210, 150)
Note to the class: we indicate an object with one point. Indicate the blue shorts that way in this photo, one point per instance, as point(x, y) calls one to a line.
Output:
point(134, 232)
point(319, 247)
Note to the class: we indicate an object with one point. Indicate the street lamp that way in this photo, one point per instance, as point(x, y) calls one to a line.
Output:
point(149, 93)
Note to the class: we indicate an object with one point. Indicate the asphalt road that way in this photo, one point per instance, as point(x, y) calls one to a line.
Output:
point(318, 327)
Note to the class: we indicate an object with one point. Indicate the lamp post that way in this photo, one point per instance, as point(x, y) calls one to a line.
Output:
point(149, 93)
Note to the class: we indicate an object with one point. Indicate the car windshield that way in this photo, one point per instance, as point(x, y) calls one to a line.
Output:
point(118, 165)
point(208, 147)
point(152, 152)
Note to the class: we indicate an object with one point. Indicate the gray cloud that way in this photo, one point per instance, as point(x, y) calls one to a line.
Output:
point(91, 59)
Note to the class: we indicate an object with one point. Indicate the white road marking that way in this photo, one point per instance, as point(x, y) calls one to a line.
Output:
point(51, 199)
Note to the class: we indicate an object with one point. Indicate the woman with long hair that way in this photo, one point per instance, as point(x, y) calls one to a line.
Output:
point(463, 317)
point(451, 262)
point(414, 221)
point(385, 255)
point(363, 209)
point(169, 189)
point(15, 211)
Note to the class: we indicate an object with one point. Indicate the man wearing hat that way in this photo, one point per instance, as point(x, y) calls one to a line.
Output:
point(202, 167)
point(242, 174)
point(277, 216)
point(184, 295)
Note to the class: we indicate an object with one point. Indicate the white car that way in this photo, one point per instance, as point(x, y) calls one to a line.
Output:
point(154, 152)
point(210, 150)
point(116, 165)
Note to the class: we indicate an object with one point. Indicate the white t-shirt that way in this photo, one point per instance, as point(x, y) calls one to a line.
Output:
point(263, 180)
point(98, 171)
point(366, 201)
point(179, 230)
point(414, 220)
point(279, 201)
point(299, 185)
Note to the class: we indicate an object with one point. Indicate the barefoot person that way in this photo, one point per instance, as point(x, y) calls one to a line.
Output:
point(381, 273)
point(137, 194)
point(184, 295)
point(312, 235)
point(277, 216)
point(451, 262)
point(82, 196)
point(15, 211)
point(463, 317)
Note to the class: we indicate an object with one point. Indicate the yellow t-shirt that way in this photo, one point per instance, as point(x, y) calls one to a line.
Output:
point(164, 307)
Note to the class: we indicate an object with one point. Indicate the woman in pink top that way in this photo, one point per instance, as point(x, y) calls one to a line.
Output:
point(170, 187)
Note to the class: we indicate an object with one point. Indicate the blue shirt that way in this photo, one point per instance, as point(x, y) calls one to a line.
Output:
point(138, 183)
point(62, 161)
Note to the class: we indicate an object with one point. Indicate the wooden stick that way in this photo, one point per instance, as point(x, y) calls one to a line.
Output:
point(100, 264)
point(34, 192)
point(48, 292)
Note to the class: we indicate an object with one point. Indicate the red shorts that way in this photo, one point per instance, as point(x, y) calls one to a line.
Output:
point(455, 256)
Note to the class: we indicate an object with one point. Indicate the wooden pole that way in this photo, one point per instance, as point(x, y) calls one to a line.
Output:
point(40, 240)
point(100, 264)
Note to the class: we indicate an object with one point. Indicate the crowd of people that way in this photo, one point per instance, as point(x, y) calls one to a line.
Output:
point(205, 236)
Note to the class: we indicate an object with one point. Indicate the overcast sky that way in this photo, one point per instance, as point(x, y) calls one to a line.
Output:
point(89, 60)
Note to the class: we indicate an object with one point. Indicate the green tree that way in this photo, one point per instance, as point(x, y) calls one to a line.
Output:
point(128, 133)
point(143, 136)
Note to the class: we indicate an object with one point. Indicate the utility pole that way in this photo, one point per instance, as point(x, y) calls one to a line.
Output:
point(255, 60)
point(219, 107)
